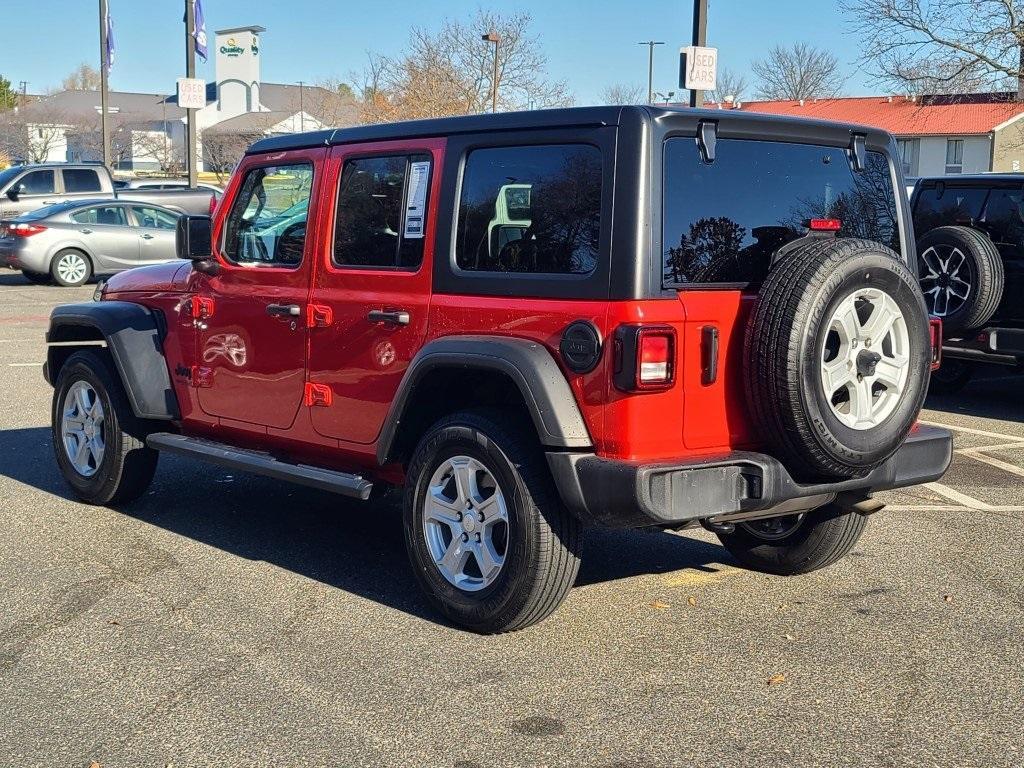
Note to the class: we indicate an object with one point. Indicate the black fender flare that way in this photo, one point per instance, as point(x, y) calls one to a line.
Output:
point(544, 387)
point(133, 336)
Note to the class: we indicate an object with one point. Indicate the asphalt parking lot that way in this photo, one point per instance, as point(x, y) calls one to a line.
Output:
point(230, 620)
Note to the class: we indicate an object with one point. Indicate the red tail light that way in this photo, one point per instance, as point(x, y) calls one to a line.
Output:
point(935, 333)
point(24, 230)
point(213, 204)
point(645, 358)
point(825, 225)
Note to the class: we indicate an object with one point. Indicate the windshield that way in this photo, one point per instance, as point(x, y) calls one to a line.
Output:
point(724, 221)
point(10, 173)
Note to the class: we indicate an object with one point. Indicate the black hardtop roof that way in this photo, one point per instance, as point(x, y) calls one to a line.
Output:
point(976, 179)
point(569, 117)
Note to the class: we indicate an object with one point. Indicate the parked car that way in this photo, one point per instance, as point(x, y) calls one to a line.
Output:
point(24, 188)
point(156, 183)
point(535, 322)
point(970, 243)
point(73, 241)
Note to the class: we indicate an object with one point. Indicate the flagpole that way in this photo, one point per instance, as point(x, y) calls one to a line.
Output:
point(104, 126)
point(190, 71)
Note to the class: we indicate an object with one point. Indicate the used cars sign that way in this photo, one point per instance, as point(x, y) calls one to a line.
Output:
point(697, 68)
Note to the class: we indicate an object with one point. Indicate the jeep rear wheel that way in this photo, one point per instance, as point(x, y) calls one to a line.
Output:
point(795, 544)
point(839, 352)
point(99, 444)
point(490, 543)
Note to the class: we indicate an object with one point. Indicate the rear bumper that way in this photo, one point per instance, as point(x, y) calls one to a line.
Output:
point(622, 494)
point(991, 345)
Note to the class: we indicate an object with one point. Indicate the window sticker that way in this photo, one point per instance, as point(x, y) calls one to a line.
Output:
point(415, 209)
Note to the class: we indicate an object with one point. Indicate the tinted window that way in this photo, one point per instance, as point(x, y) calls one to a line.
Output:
point(102, 214)
point(267, 223)
point(941, 205)
point(724, 220)
point(382, 211)
point(530, 209)
point(154, 217)
point(81, 180)
point(1004, 216)
point(37, 183)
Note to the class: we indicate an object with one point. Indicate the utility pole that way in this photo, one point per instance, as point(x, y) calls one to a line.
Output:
point(700, 37)
point(493, 37)
point(190, 114)
point(104, 66)
point(650, 67)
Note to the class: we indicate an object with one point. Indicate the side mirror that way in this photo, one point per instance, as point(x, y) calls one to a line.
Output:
point(193, 238)
point(14, 192)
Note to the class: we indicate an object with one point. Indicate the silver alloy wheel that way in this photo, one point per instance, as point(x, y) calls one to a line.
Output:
point(82, 428)
point(465, 523)
point(865, 360)
point(945, 289)
point(71, 267)
point(774, 528)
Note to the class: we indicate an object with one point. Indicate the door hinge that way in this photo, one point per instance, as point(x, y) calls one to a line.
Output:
point(319, 316)
point(201, 376)
point(200, 307)
point(318, 395)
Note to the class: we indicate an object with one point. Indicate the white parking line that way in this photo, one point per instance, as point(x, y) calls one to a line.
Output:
point(993, 462)
point(972, 431)
point(23, 365)
point(960, 498)
point(944, 508)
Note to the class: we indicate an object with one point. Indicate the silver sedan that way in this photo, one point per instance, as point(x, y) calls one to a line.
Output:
point(71, 242)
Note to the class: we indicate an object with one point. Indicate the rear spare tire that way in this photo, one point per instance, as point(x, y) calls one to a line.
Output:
point(838, 350)
point(961, 274)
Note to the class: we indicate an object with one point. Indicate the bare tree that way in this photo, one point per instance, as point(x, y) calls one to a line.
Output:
point(83, 78)
point(222, 151)
point(729, 86)
point(85, 138)
point(622, 93)
point(159, 147)
point(798, 72)
point(942, 46)
point(449, 72)
point(31, 138)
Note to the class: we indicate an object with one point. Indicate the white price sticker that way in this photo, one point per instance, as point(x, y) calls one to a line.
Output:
point(416, 208)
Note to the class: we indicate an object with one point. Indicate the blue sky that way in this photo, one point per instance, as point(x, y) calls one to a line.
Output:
point(589, 44)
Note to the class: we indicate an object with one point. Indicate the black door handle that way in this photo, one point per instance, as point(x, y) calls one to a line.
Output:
point(708, 355)
point(393, 317)
point(284, 310)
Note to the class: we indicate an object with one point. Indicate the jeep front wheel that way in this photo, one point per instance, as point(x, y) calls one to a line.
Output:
point(490, 543)
point(795, 544)
point(99, 444)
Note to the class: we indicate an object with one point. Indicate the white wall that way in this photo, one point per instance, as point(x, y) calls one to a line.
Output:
point(932, 155)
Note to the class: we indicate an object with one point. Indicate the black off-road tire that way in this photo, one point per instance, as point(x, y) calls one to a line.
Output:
point(784, 344)
point(543, 540)
point(984, 266)
point(36, 278)
point(128, 465)
point(823, 536)
point(951, 377)
point(55, 272)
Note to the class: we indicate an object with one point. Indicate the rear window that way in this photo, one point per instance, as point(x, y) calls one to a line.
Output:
point(532, 209)
point(941, 205)
point(724, 220)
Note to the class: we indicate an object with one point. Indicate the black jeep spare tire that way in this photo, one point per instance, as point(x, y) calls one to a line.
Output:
point(961, 274)
point(838, 350)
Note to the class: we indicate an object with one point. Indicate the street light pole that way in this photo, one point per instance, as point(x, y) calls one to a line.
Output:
point(104, 124)
point(650, 67)
point(190, 114)
point(700, 38)
point(493, 37)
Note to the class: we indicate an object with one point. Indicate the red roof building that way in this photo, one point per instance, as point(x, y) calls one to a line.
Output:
point(937, 134)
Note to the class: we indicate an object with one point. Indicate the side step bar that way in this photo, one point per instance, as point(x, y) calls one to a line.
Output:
point(261, 464)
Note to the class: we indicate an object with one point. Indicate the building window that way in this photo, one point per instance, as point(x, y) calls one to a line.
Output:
point(908, 155)
point(954, 156)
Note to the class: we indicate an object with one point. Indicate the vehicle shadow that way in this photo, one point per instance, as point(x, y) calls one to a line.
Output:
point(346, 544)
point(993, 393)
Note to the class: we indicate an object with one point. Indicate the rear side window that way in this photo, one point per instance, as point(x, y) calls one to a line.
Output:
point(1004, 216)
point(944, 205)
point(267, 222)
point(723, 221)
point(81, 180)
point(112, 215)
point(532, 209)
point(382, 212)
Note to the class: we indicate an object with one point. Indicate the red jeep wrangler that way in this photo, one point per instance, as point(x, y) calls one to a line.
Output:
point(616, 316)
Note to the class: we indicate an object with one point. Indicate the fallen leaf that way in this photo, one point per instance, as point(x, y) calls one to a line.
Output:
point(948, 598)
point(777, 679)
point(658, 605)
point(691, 600)
point(789, 637)
point(114, 623)
point(94, 764)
